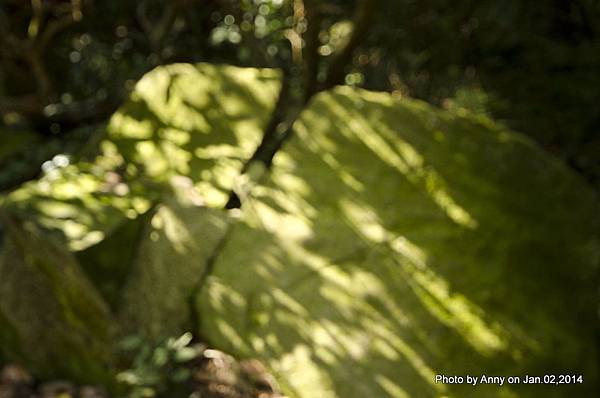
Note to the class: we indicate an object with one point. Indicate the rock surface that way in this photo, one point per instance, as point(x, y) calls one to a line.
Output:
point(393, 242)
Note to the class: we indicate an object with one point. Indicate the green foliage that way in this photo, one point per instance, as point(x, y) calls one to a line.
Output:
point(157, 369)
point(537, 61)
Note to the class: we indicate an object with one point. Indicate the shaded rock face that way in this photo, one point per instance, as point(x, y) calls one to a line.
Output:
point(391, 242)
point(170, 265)
point(50, 315)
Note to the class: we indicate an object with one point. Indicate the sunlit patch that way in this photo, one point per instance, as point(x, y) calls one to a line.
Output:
point(406, 160)
point(346, 177)
point(403, 246)
point(230, 333)
point(152, 158)
point(365, 220)
point(218, 151)
point(175, 230)
point(292, 184)
point(89, 239)
point(288, 225)
point(289, 302)
point(176, 136)
point(213, 197)
point(303, 374)
point(393, 389)
point(125, 126)
point(407, 352)
point(456, 311)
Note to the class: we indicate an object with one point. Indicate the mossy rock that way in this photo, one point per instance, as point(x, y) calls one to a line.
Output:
point(193, 123)
point(52, 317)
point(174, 249)
point(394, 242)
point(200, 121)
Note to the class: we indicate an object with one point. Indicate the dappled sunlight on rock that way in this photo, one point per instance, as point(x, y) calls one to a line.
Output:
point(391, 243)
point(171, 259)
point(199, 121)
point(85, 202)
point(179, 121)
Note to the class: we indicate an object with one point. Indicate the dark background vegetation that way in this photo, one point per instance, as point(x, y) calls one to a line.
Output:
point(66, 65)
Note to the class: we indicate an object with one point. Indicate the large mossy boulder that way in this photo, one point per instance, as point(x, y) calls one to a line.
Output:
point(394, 242)
point(199, 121)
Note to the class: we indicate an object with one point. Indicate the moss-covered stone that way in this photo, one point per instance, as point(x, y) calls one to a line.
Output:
point(196, 123)
point(393, 242)
point(52, 317)
point(174, 248)
point(200, 121)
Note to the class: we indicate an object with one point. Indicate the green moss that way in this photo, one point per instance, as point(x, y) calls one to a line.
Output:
point(199, 121)
point(62, 324)
point(109, 263)
point(175, 246)
point(393, 242)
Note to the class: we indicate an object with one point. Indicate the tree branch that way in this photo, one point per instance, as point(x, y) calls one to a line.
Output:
point(311, 50)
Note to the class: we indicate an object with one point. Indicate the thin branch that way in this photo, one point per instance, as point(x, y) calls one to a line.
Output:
point(32, 50)
point(311, 50)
